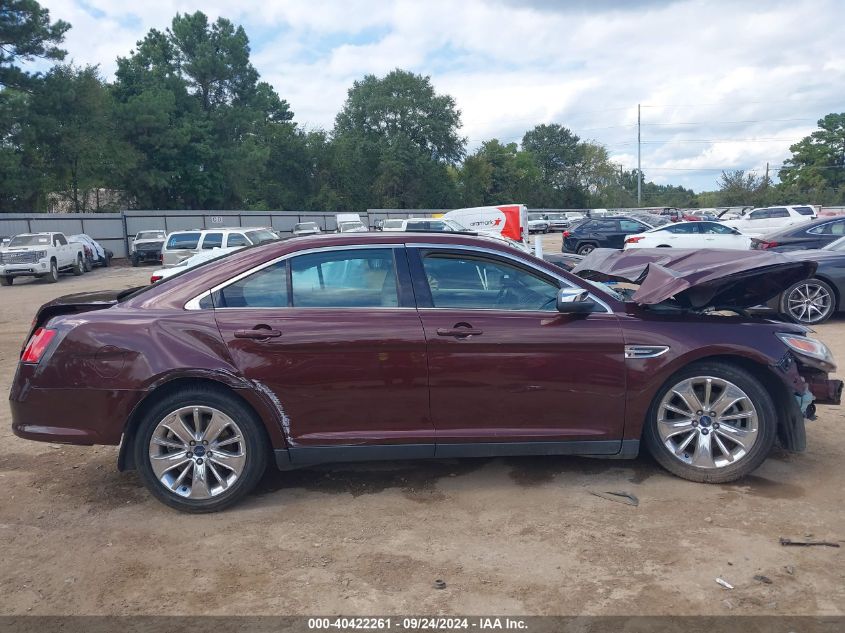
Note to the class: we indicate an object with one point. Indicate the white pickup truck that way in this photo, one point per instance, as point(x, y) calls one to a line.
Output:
point(40, 255)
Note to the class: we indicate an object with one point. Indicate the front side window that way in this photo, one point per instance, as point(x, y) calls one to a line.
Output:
point(356, 278)
point(60, 240)
point(261, 236)
point(629, 226)
point(761, 214)
point(829, 228)
point(475, 283)
point(266, 288)
point(212, 240)
point(183, 240)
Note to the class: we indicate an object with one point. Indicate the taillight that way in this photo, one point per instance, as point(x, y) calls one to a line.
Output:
point(37, 345)
point(764, 244)
point(155, 278)
point(634, 239)
point(566, 234)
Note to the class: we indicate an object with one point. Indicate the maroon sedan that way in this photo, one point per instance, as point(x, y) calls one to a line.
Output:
point(388, 346)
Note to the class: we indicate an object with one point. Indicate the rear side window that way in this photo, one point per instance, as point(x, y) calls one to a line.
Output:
point(600, 226)
point(183, 240)
point(266, 288)
point(416, 226)
point(778, 212)
point(359, 278)
point(236, 239)
point(212, 240)
point(804, 210)
point(760, 214)
point(685, 229)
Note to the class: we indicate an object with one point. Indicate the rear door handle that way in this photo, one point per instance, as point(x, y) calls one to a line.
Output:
point(459, 332)
point(257, 334)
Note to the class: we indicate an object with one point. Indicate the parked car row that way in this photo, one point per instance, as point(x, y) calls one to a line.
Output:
point(46, 255)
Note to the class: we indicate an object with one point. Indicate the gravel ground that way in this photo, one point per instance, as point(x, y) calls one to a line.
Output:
point(508, 536)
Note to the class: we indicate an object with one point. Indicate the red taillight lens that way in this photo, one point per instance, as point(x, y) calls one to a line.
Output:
point(566, 234)
point(763, 244)
point(634, 240)
point(155, 278)
point(37, 345)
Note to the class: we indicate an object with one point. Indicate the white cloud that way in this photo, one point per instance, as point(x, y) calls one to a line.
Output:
point(777, 66)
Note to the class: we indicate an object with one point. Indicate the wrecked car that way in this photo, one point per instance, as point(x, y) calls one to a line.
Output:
point(359, 347)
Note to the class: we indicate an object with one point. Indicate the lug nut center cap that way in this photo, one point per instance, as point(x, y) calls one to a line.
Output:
point(705, 420)
point(199, 451)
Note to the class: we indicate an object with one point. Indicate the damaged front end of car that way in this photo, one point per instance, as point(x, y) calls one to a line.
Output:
point(719, 282)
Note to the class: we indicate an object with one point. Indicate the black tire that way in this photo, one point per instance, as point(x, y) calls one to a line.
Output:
point(766, 425)
point(792, 294)
point(53, 276)
point(107, 261)
point(135, 262)
point(255, 442)
point(79, 266)
point(7, 280)
point(586, 249)
point(89, 265)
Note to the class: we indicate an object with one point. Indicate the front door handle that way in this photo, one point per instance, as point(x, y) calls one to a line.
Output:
point(258, 334)
point(459, 332)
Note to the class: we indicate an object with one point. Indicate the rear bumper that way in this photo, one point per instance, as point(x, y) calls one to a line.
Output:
point(70, 416)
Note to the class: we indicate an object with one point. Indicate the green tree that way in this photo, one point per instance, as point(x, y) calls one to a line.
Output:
point(817, 164)
point(740, 187)
point(71, 120)
point(558, 153)
point(26, 34)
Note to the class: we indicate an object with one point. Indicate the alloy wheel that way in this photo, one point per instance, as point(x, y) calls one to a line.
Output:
point(707, 422)
point(809, 303)
point(197, 452)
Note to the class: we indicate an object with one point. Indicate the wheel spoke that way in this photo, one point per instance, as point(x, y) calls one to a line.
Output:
point(729, 397)
point(229, 440)
point(231, 461)
point(197, 424)
point(671, 428)
point(703, 456)
point(675, 409)
point(687, 394)
point(216, 426)
point(160, 441)
point(683, 445)
point(178, 481)
point(177, 426)
point(708, 393)
point(164, 463)
point(199, 482)
point(724, 449)
point(734, 434)
point(217, 475)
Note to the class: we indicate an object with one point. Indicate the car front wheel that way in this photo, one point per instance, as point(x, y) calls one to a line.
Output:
point(6, 280)
point(809, 302)
point(200, 450)
point(712, 422)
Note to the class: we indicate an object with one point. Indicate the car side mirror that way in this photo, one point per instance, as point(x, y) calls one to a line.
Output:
point(574, 301)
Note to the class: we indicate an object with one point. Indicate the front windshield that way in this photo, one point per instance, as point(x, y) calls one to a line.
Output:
point(838, 245)
point(30, 240)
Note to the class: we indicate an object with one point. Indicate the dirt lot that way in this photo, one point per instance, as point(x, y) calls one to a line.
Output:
point(509, 536)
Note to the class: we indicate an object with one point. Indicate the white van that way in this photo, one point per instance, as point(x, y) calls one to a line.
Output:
point(506, 220)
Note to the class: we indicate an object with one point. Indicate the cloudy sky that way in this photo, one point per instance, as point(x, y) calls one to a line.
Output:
point(723, 84)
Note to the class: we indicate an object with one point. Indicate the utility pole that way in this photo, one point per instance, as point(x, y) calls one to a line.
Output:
point(639, 162)
point(766, 181)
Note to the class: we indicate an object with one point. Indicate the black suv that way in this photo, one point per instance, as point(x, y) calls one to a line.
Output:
point(606, 232)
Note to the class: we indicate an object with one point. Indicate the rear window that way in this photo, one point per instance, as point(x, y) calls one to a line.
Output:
point(631, 225)
point(183, 240)
point(804, 210)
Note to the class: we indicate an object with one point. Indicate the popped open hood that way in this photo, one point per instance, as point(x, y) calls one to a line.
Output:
point(697, 279)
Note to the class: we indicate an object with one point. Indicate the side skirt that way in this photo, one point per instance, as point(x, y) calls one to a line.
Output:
point(304, 456)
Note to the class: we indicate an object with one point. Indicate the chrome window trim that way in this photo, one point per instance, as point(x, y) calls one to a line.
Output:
point(194, 304)
point(521, 260)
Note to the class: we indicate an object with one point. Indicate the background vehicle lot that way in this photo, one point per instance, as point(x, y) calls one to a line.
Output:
point(507, 535)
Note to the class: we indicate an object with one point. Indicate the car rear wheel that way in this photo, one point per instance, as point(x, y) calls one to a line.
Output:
point(586, 249)
point(88, 265)
point(79, 266)
point(712, 422)
point(134, 260)
point(200, 450)
point(809, 302)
